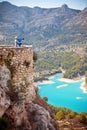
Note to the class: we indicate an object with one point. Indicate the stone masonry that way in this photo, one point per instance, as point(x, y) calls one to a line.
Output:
point(20, 63)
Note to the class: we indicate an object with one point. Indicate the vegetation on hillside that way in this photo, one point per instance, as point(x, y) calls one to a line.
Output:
point(64, 113)
point(72, 61)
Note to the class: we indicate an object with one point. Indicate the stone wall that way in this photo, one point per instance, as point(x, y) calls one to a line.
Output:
point(20, 63)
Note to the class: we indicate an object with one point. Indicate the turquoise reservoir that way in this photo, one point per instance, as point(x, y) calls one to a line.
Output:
point(64, 94)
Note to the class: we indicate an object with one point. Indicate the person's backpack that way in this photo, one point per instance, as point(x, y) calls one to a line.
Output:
point(20, 39)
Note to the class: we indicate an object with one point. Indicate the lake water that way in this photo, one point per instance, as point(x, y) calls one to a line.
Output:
point(64, 94)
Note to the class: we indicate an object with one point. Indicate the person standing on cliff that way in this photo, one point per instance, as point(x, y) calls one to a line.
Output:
point(18, 41)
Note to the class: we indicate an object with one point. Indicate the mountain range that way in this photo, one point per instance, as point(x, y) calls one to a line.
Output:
point(42, 26)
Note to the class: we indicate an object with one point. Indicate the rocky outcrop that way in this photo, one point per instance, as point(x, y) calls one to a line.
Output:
point(41, 117)
point(4, 99)
point(19, 103)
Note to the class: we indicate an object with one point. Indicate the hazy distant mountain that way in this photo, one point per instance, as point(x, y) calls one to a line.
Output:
point(42, 27)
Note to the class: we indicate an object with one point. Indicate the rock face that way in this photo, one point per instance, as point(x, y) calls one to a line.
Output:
point(41, 117)
point(17, 90)
point(4, 100)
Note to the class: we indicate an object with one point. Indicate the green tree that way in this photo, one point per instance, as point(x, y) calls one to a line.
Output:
point(60, 115)
point(34, 56)
point(82, 117)
point(71, 115)
point(86, 77)
point(45, 99)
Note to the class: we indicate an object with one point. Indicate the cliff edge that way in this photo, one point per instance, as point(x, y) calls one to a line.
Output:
point(20, 105)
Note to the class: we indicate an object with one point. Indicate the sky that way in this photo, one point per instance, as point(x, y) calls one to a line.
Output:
point(75, 4)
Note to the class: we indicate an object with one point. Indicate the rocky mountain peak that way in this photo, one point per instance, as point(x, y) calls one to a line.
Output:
point(38, 24)
point(5, 3)
point(65, 6)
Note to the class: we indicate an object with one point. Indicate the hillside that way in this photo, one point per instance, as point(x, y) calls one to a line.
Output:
point(21, 108)
point(42, 27)
point(71, 59)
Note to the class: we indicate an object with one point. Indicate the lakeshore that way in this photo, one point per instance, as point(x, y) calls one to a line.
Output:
point(83, 87)
point(45, 82)
point(48, 81)
point(68, 80)
point(64, 92)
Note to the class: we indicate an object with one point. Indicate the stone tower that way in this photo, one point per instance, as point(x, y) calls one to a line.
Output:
point(19, 62)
